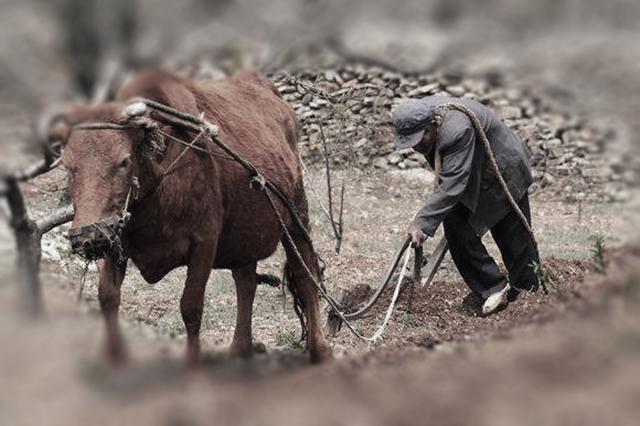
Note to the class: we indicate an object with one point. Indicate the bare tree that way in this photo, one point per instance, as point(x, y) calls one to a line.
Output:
point(336, 225)
point(28, 234)
point(332, 128)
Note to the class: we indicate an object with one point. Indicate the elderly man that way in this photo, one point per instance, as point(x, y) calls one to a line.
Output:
point(468, 199)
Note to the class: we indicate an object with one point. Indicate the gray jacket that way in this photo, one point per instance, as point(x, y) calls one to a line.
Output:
point(466, 177)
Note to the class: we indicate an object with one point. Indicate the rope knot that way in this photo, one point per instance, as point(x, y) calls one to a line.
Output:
point(212, 129)
point(259, 180)
point(155, 139)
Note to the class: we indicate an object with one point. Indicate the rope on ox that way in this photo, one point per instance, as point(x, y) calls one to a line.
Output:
point(203, 127)
point(199, 124)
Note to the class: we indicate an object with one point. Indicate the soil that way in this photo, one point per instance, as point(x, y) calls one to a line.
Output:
point(446, 311)
point(573, 353)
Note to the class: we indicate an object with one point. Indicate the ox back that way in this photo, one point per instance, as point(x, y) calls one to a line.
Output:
point(210, 197)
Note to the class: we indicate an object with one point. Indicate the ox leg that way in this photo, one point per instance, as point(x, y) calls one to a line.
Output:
point(192, 301)
point(319, 348)
point(245, 279)
point(111, 277)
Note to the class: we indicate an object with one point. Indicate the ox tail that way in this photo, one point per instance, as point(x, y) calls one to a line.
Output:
point(299, 248)
point(294, 273)
point(289, 281)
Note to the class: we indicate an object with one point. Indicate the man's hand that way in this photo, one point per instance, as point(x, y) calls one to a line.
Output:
point(416, 235)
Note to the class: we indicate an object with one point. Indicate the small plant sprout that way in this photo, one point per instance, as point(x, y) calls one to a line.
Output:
point(288, 338)
point(545, 277)
point(600, 263)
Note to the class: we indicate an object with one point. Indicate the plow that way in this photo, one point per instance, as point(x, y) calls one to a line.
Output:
point(425, 267)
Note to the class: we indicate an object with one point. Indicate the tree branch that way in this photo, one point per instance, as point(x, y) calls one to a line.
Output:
point(336, 226)
point(28, 247)
point(58, 217)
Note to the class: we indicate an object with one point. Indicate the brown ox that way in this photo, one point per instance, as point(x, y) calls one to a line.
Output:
point(201, 213)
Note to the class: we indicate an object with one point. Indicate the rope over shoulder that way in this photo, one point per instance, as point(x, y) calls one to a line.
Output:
point(493, 165)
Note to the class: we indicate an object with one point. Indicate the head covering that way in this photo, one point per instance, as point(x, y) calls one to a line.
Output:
point(410, 120)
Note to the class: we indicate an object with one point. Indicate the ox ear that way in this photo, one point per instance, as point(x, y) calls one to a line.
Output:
point(55, 125)
point(59, 131)
point(52, 133)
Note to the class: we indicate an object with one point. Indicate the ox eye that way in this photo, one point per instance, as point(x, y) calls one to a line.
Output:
point(124, 163)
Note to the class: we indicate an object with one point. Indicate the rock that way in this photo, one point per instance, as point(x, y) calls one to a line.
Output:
point(361, 143)
point(476, 86)
point(364, 161)
point(380, 163)
point(548, 180)
point(308, 115)
point(424, 90)
point(412, 163)
point(456, 91)
point(333, 77)
point(418, 158)
point(510, 113)
point(307, 98)
point(394, 158)
point(286, 89)
point(52, 249)
point(419, 176)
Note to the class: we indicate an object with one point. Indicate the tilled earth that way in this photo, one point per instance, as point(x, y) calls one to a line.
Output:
point(447, 312)
point(572, 354)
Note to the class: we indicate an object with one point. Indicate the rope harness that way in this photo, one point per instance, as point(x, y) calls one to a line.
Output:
point(109, 231)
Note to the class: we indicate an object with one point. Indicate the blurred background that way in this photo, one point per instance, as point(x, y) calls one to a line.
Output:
point(571, 69)
point(582, 52)
point(580, 55)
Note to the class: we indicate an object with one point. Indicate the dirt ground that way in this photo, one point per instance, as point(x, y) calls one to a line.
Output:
point(377, 208)
point(570, 357)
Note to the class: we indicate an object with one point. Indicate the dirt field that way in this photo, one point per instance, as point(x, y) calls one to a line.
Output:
point(566, 358)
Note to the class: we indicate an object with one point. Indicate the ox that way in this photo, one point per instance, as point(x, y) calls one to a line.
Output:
point(199, 211)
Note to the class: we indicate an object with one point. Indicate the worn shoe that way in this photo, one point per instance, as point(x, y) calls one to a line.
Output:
point(494, 301)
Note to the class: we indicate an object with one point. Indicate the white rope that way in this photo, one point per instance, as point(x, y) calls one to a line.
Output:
point(377, 336)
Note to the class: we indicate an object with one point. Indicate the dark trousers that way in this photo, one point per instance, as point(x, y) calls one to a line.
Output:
point(477, 267)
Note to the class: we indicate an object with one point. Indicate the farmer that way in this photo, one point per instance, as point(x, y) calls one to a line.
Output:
point(468, 199)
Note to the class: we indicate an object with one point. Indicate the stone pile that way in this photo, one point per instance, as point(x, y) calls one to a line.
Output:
point(351, 109)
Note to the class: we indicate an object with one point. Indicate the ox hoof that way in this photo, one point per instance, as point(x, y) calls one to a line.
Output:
point(243, 350)
point(320, 354)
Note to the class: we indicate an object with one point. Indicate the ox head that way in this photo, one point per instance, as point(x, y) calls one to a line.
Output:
point(103, 149)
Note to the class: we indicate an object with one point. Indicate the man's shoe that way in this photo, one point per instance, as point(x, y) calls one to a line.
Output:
point(494, 301)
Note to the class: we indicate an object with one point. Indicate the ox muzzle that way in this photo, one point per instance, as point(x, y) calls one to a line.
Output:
point(99, 239)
